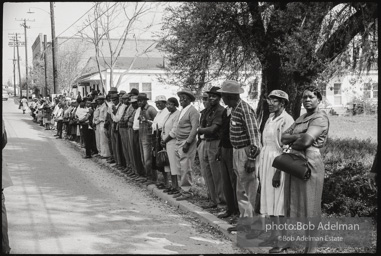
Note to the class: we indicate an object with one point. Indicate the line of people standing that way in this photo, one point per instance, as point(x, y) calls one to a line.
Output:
point(235, 158)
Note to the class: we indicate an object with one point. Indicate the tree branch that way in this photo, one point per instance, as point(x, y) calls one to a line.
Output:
point(339, 40)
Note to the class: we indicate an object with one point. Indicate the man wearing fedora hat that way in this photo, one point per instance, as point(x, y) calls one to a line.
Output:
point(113, 92)
point(245, 139)
point(128, 117)
point(201, 138)
point(134, 145)
point(123, 129)
point(99, 121)
point(91, 105)
point(116, 143)
point(96, 108)
point(185, 130)
point(209, 128)
point(146, 116)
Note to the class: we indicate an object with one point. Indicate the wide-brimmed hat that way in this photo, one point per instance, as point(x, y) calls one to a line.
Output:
point(113, 90)
point(101, 97)
point(280, 94)
point(125, 96)
point(122, 92)
point(214, 90)
point(160, 98)
point(231, 87)
point(142, 96)
point(187, 92)
point(205, 95)
point(134, 91)
point(134, 99)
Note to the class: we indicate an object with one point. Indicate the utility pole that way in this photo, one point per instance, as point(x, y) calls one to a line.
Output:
point(14, 68)
point(26, 55)
point(54, 50)
point(13, 44)
point(18, 64)
point(46, 69)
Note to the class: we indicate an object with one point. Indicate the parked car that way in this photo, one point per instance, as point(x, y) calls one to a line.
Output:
point(5, 95)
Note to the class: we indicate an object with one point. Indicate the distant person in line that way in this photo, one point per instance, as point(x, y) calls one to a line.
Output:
point(59, 119)
point(24, 104)
point(79, 97)
point(307, 135)
point(6, 182)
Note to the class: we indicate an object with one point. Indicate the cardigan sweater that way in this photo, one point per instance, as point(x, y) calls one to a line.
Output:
point(186, 127)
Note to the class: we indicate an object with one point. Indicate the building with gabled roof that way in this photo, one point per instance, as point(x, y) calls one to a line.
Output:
point(139, 72)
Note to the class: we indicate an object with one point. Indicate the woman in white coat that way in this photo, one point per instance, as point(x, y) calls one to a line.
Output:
point(271, 179)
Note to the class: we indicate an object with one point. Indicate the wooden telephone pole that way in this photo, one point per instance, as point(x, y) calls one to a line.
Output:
point(15, 44)
point(18, 65)
point(26, 56)
point(54, 49)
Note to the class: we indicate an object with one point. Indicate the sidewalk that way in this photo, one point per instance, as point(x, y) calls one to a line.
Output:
point(204, 216)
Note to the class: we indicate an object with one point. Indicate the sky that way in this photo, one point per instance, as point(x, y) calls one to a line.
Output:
point(66, 13)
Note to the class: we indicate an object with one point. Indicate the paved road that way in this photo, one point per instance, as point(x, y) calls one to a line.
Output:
point(63, 204)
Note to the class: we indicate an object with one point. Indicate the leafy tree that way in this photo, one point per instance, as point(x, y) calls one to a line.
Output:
point(38, 76)
point(292, 43)
point(69, 64)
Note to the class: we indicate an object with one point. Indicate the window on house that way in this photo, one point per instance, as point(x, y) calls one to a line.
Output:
point(367, 90)
point(371, 90)
point(375, 90)
point(147, 88)
point(337, 94)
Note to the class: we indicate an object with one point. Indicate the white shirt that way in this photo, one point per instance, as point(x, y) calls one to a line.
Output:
point(119, 113)
point(33, 104)
point(81, 113)
point(59, 113)
point(109, 104)
point(160, 119)
point(135, 125)
point(55, 110)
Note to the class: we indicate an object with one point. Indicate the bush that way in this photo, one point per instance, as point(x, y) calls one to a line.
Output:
point(362, 104)
point(347, 191)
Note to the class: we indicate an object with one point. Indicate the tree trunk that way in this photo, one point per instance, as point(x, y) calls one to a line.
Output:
point(270, 81)
point(273, 78)
point(111, 77)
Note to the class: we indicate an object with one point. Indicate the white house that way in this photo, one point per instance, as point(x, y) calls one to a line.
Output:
point(141, 73)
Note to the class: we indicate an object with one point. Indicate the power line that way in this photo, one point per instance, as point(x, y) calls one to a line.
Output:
point(88, 24)
point(43, 52)
point(77, 20)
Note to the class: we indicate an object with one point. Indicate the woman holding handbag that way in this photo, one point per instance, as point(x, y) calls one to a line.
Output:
point(169, 142)
point(306, 135)
point(271, 179)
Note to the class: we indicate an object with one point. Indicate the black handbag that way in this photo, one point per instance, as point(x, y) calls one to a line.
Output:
point(292, 164)
point(162, 158)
